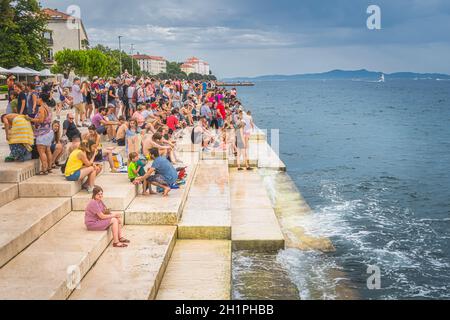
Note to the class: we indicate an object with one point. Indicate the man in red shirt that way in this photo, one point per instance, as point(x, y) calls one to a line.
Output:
point(172, 121)
point(221, 109)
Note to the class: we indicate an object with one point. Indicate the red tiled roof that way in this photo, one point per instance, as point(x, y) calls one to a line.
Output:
point(147, 57)
point(55, 14)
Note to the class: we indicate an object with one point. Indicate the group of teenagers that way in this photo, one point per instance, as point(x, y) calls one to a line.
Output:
point(146, 116)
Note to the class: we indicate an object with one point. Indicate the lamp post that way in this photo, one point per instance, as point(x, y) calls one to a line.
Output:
point(120, 54)
point(132, 60)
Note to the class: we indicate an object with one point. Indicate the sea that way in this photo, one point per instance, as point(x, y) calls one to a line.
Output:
point(372, 160)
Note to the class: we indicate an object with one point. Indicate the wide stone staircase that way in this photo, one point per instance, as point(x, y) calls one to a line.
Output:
point(181, 246)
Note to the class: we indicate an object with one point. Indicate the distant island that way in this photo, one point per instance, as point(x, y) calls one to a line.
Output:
point(346, 75)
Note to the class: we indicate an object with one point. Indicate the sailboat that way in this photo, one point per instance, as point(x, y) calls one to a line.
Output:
point(382, 78)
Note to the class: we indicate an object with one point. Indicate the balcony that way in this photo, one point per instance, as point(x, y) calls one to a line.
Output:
point(49, 41)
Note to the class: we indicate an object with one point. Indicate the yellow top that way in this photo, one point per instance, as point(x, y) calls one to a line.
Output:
point(73, 164)
point(21, 132)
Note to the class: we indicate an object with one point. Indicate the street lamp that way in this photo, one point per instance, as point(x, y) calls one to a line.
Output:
point(132, 60)
point(120, 54)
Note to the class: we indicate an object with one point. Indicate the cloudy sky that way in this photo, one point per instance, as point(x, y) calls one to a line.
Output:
point(253, 37)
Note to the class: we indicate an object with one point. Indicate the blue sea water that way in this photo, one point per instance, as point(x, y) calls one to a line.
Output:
point(373, 162)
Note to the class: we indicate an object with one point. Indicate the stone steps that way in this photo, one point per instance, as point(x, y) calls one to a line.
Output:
point(157, 210)
point(254, 223)
point(16, 172)
point(8, 192)
point(198, 270)
point(51, 267)
point(119, 192)
point(207, 213)
point(134, 273)
point(22, 221)
point(51, 186)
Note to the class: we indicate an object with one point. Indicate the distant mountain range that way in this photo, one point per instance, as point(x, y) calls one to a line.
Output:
point(345, 75)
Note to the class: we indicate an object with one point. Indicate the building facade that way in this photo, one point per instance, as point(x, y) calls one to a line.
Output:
point(151, 64)
point(197, 66)
point(63, 32)
point(187, 68)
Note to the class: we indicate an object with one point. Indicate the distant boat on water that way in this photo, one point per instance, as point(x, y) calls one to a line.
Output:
point(382, 79)
point(236, 84)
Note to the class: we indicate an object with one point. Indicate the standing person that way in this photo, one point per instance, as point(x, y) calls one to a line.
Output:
point(99, 218)
point(78, 103)
point(59, 98)
point(10, 83)
point(38, 84)
point(249, 126)
point(12, 105)
point(19, 135)
point(113, 98)
point(124, 98)
point(95, 94)
point(87, 100)
point(132, 99)
point(33, 95)
point(21, 98)
point(241, 147)
point(43, 133)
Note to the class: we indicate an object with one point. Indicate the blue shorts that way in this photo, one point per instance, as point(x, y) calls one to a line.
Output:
point(75, 176)
point(220, 122)
point(101, 130)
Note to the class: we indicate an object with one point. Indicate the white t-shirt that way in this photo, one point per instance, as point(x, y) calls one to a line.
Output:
point(248, 123)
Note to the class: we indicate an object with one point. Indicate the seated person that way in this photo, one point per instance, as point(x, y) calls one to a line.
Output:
point(79, 166)
point(102, 124)
point(107, 153)
point(162, 173)
point(70, 130)
point(99, 218)
point(121, 132)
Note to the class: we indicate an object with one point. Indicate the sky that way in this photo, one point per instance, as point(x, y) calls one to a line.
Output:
point(251, 38)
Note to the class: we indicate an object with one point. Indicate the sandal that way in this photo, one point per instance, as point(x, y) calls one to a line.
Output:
point(119, 245)
point(43, 173)
point(240, 169)
point(250, 169)
point(123, 240)
point(49, 171)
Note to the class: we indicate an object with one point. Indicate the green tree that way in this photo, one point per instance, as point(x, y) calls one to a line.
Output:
point(127, 61)
point(97, 64)
point(22, 27)
point(69, 60)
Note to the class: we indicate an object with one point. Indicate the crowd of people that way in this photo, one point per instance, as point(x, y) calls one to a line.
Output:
point(146, 116)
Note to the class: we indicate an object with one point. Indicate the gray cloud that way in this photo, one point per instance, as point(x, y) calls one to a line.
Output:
point(330, 34)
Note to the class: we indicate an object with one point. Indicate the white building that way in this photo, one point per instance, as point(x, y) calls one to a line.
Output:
point(63, 32)
point(187, 68)
point(151, 64)
point(199, 66)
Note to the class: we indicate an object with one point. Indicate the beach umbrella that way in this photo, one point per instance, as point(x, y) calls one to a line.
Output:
point(3, 70)
point(33, 72)
point(46, 73)
point(19, 71)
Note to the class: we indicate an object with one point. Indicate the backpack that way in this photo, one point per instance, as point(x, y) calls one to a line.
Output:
point(120, 92)
point(135, 95)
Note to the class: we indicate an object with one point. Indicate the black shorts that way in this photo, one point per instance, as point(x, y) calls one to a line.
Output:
point(121, 142)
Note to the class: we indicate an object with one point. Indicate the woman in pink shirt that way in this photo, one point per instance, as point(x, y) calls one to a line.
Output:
point(139, 117)
point(99, 218)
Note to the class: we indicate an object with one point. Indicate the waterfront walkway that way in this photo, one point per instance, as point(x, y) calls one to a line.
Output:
point(181, 246)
